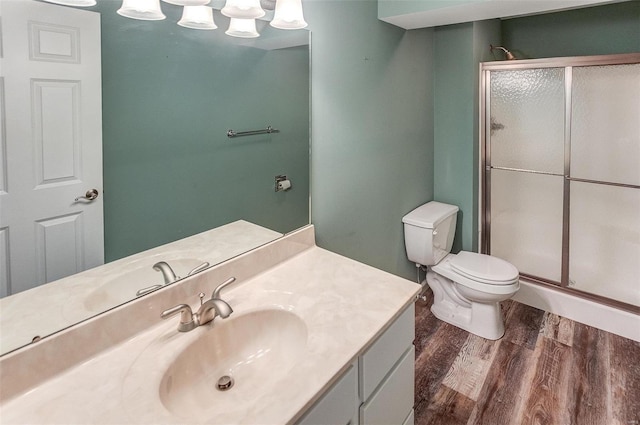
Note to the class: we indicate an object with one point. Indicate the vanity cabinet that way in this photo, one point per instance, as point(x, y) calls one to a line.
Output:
point(339, 405)
point(378, 388)
point(386, 374)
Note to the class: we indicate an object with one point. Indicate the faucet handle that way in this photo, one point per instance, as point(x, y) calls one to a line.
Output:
point(216, 292)
point(186, 317)
point(198, 268)
point(147, 290)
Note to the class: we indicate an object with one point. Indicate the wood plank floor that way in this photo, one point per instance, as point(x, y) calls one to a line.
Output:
point(546, 370)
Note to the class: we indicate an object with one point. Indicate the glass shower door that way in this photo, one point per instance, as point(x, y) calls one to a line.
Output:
point(604, 253)
point(561, 185)
point(526, 168)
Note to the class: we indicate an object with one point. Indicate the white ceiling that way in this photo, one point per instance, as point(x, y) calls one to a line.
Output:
point(487, 9)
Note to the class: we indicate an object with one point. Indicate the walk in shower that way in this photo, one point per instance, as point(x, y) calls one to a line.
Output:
point(560, 173)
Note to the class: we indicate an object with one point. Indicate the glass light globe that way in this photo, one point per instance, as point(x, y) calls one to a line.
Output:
point(145, 10)
point(243, 9)
point(288, 15)
point(77, 3)
point(187, 2)
point(197, 17)
point(243, 28)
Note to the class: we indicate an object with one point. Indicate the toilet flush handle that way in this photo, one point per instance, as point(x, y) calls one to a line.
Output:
point(435, 232)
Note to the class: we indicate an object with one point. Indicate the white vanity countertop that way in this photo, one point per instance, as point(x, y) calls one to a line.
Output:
point(344, 304)
point(75, 298)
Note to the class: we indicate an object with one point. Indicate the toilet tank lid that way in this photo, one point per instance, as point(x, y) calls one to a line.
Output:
point(430, 214)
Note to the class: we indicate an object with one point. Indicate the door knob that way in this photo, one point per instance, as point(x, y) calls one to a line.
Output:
point(89, 196)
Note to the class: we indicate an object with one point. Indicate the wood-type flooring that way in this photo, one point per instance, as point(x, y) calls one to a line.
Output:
point(546, 370)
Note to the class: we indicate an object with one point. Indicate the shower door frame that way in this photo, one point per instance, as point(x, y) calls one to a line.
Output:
point(484, 169)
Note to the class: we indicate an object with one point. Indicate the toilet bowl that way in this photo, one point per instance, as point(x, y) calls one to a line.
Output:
point(467, 287)
point(471, 299)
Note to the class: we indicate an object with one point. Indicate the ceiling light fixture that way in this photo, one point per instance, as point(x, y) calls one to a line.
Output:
point(288, 14)
point(243, 28)
point(77, 3)
point(146, 10)
point(243, 9)
point(197, 17)
point(187, 2)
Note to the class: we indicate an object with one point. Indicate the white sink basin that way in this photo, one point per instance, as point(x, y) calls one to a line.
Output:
point(256, 349)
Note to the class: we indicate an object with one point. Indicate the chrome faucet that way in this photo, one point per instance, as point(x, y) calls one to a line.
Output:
point(208, 310)
point(167, 272)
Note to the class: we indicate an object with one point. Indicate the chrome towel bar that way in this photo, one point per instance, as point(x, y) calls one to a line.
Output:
point(268, 130)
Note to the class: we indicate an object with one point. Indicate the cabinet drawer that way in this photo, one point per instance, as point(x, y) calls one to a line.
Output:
point(393, 400)
point(410, 418)
point(385, 352)
point(339, 405)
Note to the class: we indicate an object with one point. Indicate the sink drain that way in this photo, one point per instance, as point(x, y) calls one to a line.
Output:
point(225, 383)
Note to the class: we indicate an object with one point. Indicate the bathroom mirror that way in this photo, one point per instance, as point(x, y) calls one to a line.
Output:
point(169, 96)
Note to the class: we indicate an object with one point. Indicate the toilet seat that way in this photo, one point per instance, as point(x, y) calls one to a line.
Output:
point(484, 268)
point(444, 268)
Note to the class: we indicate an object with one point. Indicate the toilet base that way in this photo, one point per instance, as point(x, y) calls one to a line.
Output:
point(479, 318)
point(461, 318)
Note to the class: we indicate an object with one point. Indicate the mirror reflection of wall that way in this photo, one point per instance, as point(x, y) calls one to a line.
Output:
point(169, 95)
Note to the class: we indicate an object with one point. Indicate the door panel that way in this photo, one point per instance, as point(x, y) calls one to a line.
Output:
point(605, 241)
point(4, 262)
point(605, 132)
point(55, 118)
point(527, 119)
point(526, 221)
point(51, 234)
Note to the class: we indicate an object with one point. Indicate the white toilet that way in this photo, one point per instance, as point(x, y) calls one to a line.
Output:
point(467, 287)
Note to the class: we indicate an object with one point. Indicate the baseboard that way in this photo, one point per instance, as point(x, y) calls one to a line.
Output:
point(581, 310)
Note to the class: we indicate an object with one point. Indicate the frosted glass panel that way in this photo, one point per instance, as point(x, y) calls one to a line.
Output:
point(604, 254)
point(605, 123)
point(527, 119)
point(526, 221)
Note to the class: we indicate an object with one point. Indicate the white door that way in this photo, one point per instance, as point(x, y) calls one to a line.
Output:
point(51, 146)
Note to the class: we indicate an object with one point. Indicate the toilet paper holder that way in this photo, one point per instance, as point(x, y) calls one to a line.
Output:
point(282, 183)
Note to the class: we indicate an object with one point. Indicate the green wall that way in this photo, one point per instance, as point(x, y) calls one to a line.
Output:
point(394, 117)
point(169, 96)
point(387, 8)
point(609, 29)
point(458, 51)
point(602, 30)
point(372, 132)
point(453, 126)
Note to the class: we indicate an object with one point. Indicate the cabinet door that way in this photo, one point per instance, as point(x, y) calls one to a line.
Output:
point(410, 418)
point(385, 352)
point(339, 406)
point(393, 400)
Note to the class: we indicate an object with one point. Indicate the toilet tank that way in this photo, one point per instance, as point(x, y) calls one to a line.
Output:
point(429, 232)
